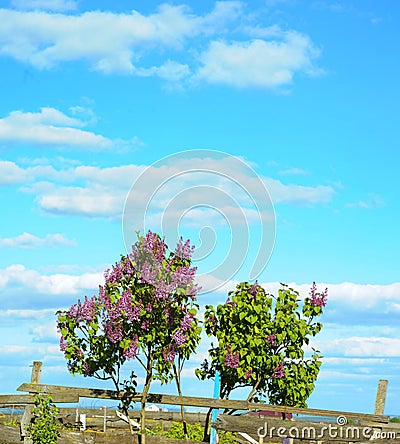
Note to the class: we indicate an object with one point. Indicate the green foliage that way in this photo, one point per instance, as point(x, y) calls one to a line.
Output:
point(11, 423)
point(45, 427)
point(195, 433)
point(176, 431)
point(260, 343)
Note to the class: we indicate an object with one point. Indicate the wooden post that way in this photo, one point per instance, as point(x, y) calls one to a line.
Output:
point(381, 397)
point(27, 416)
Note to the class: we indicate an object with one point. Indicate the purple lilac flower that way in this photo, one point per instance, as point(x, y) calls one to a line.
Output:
point(231, 303)
point(149, 308)
point(83, 312)
point(104, 298)
point(318, 299)
point(127, 267)
point(148, 273)
point(63, 344)
point(153, 246)
point(248, 374)
point(232, 358)
point(145, 325)
point(279, 372)
point(114, 275)
point(169, 352)
point(187, 322)
point(183, 276)
point(193, 290)
point(132, 351)
point(253, 290)
point(86, 369)
point(271, 339)
point(179, 337)
point(114, 332)
point(183, 250)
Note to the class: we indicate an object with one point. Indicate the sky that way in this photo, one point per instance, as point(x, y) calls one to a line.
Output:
point(265, 131)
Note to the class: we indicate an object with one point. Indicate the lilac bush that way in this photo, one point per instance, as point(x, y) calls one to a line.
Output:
point(145, 311)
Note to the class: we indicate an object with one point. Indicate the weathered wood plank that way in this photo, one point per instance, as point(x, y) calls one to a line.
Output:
point(10, 434)
point(275, 428)
point(192, 401)
point(381, 397)
point(29, 399)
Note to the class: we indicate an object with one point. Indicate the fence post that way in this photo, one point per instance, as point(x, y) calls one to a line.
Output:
point(27, 416)
point(214, 414)
point(381, 397)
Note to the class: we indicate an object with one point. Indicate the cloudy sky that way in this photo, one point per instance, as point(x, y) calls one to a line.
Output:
point(265, 131)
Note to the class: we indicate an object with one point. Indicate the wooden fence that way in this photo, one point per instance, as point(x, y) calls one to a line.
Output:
point(362, 426)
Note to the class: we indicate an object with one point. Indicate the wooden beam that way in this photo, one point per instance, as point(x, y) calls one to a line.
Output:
point(29, 399)
point(192, 401)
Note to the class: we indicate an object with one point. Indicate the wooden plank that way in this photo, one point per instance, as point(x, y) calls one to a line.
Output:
point(11, 435)
point(269, 428)
point(192, 401)
point(29, 399)
point(381, 397)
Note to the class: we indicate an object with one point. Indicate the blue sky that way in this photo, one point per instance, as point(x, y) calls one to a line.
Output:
point(301, 97)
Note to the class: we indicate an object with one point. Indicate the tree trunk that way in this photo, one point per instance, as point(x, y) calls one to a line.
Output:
point(178, 386)
point(206, 436)
point(146, 388)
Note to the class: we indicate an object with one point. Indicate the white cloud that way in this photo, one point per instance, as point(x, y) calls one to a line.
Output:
point(258, 63)
point(359, 346)
point(298, 194)
point(48, 127)
point(46, 333)
point(50, 5)
point(28, 240)
point(30, 314)
point(372, 201)
point(350, 293)
point(119, 43)
point(14, 349)
point(239, 196)
point(96, 201)
point(293, 171)
point(112, 40)
point(18, 276)
point(170, 70)
point(10, 173)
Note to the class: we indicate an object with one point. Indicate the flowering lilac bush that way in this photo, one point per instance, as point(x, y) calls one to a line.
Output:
point(145, 311)
point(261, 343)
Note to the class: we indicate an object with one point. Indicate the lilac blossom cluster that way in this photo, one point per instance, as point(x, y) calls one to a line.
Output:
point(317, 298)
point(279, 371)
point(164, 274)
point(271, 339)
point(132, 351)
point(253, 290)
point(84, 312)
point(248, 374)
point(232, 358)
point(231, 303)
point(183, 250)
point(179, 336)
